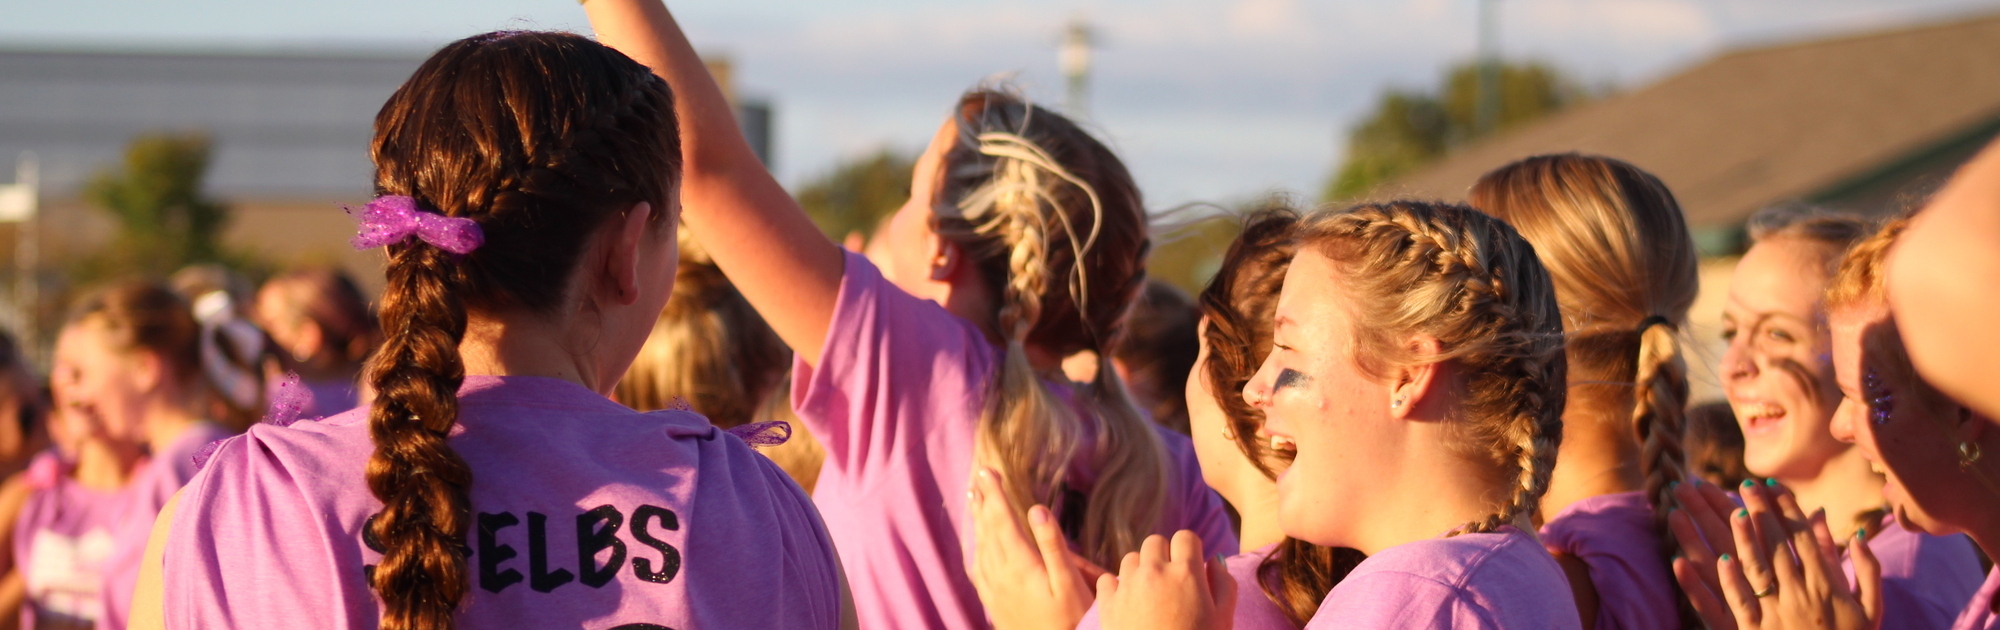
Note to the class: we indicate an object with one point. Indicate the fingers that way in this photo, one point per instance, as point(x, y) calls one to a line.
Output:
point(1704, 595)
point(1222, 588)
point(1867, 575)
point(1706, 508)
point(997, 534)
point(1063, 577)
point(1743, 602)
point(1089, 569)
point(1805, 545)
point(1187, 552)
point(1774, 539)
point(1752, 564)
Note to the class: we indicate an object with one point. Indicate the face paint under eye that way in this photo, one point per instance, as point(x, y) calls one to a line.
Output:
point(1881, 403)
point(1290, 378)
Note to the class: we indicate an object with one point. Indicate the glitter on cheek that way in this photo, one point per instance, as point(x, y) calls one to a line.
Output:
point(1881, 402)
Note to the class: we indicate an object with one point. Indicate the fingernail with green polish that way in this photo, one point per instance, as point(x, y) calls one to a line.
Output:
point(1861, 533)
point(1749, 483)
point(1743, 512)
point(1771, 481)
point(1671, 485)
point(1724, 558)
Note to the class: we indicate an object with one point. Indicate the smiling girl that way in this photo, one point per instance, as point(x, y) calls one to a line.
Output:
point(1778, 375)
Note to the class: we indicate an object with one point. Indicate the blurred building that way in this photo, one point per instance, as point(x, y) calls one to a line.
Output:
point(291, 133)
point(1869, 123)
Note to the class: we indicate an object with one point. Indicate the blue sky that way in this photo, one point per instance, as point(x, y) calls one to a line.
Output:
point(1207, 100)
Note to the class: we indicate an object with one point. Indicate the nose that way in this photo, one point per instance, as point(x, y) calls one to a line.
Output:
point(1737, 362)
point(1257, 392)
point(1844, 415)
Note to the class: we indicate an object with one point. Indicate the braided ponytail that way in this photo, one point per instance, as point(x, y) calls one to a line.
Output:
point(1473, 284)
point(1054, 223)
point(540, 138)
point(1625, 272)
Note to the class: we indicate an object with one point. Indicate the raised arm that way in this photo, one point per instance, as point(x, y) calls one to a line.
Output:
point(755, 231)
point(1944, 285)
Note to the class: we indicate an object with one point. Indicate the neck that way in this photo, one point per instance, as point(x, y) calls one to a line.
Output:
point(328, 370)
point(1256, 501)
point(1428, 494)
point(1599, 456)
point(525, 345)
point(1844, 487)
point(101, 466)
point(167, 422)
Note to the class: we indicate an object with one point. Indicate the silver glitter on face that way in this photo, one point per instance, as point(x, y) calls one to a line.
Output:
point(1881, 403)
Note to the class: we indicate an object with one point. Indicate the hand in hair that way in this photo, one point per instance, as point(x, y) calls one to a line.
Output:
point(1785, 571)
point(1025, 584)
point(1168, 585)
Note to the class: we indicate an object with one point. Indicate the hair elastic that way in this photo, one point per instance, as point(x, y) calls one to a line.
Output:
point(393, 218)
point(1653, 320)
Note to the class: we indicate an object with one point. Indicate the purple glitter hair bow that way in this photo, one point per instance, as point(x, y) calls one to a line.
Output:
point(392, 218)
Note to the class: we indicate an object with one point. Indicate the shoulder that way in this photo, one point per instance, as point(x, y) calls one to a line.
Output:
point(1502, 574)
point(1613, 524)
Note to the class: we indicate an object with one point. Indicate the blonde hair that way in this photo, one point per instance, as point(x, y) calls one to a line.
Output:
point(1476, 286)
point(1624, 267)
point(1055, 225)
point(1860, 279)
point(709, 348)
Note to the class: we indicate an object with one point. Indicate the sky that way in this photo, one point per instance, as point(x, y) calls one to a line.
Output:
point(1206, 100)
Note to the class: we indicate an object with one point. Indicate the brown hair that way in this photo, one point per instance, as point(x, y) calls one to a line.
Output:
point(1714, 444)
point(1056, 227)
point(1238, 303)
point(1159, 348)
point(709, 348)
point(329, 299)
point(1471, 282)
point(1624, 267)
point(146, 316)
point(540, 138)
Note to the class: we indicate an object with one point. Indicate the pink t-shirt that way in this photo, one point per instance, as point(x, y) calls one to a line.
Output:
point(1254, 609)
point(151, 486)
point(1925, 579)
point(63, 542)
point(1614, 535)
point(1503, 579)
point(585, 514)
point(896, 401)
point(1978, 613)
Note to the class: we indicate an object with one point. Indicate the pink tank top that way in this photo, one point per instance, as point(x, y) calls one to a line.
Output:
point(1503, 579)
point(1925, 579)
point(1978, 613)
point(151, 486)
point(585, 514)
point(1613, 534)
point(896, 401)
point(63, 543)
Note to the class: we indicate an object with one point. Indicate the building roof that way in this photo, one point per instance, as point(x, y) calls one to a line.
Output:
point(1759, 126)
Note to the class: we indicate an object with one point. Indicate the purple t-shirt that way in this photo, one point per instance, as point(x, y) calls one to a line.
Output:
point(1978, 613)
point(1254, 609)
point(896, 401)
point(585, 514)
point(1614, 535)
point(63, 542)
point(1503, 579)
point(151, 486)
point(1925, 579)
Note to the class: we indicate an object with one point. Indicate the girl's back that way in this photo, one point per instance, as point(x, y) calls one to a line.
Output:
point(585, 514)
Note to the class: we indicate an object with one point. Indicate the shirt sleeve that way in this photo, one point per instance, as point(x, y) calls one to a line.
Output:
point(894, 368)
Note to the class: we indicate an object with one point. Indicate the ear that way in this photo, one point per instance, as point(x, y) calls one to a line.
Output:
point(312, 339)
point(622, 262)
point(149, 372)
point(945, 256)
point(1412, 386)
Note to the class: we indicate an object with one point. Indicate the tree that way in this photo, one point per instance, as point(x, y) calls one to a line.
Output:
point(1408, 129)
point(858, 193)
point(164, 219)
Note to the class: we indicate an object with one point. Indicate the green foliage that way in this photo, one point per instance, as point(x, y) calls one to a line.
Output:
point(164, 219)
point(1409, 129)
point(858, 193)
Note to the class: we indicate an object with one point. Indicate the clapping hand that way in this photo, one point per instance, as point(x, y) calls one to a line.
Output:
point(1168, 586)
point(1768, 564)
point(1028, 578)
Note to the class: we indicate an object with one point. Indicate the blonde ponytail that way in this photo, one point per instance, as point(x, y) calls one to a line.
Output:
point(1054, 223)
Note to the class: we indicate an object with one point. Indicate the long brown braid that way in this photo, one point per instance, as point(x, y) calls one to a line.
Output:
point(540, 138)
point(1238, 303)
point(1473, 284)
point(1617, 246)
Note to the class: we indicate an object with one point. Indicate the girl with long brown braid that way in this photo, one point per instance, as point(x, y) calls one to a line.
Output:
point(1417, 368)
point(1023, 242)
point(1618, 250)
point(529, 212)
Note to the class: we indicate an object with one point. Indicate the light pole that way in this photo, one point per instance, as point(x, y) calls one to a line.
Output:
point(1074, 59)
point(1488, 115)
